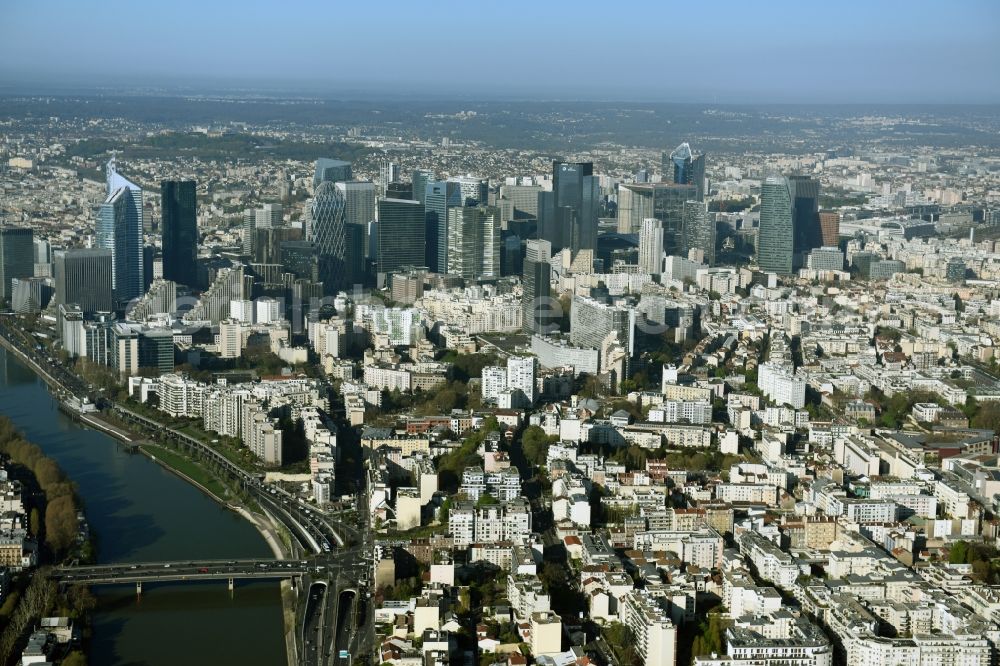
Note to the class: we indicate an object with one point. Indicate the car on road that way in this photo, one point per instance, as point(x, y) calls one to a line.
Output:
point(203, 570)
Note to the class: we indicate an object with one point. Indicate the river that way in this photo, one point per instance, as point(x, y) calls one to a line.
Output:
point(141, 512)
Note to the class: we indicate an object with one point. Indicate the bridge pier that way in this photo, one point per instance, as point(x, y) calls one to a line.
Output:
point(138, 588)
point(232, 586)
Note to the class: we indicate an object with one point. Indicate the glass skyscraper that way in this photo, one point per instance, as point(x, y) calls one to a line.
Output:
point(536, 298)
point(330, 171)
point(83, 277)
point(439, 196)
point(180, 231)
point(775, 242)
point(17, 257)
point(119, 229)
point(419, 181)
point(474, 242)
point(661, 201)
point(569, 215)
point(327, 211)
point(808, 234)
point(699, 230)
point(687, 168)
point(402, 235)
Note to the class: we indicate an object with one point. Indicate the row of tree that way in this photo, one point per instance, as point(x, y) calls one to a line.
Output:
point(61, 525)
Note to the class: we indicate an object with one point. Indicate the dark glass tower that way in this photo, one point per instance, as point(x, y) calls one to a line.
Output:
point(17, 257)
point(570, 214)
point(180, 230)
point(808, 234)
point(401, 234)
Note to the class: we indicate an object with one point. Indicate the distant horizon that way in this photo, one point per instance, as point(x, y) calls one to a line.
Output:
point(274, 91)
point(781, 52)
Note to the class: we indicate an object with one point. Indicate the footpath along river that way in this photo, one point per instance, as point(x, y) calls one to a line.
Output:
point(139, 511)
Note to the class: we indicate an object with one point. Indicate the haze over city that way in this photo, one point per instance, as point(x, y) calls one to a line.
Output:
point(727, 52)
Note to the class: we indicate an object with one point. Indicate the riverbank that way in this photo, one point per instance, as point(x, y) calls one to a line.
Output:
point(188, 470)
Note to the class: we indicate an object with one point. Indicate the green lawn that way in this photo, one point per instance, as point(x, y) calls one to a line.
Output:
point(190, 469)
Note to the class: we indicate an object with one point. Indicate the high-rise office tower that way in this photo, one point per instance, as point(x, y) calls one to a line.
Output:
point(180, 230)
point(775, 241)
point(355, 236)
point(538, 315)
point(651, 246)
point(330, 171)
point(805, 217)
point(662, 201)
point(270, 216)
point(359, 205)
point(119, 229)
point(84, 277)
point(519, 202)
point(474, 242)
point(17, 257)
point(568, 218)
point(399, 190)
point(475, 190)
point(388, 173)
point(439, 196)
point(299, 257)
point(249, 230)
point(419, 181)
point(829, 225)
point(42, 258)
point(698, 230)
point(686, 168)
point(326, 209)
point(401, 235)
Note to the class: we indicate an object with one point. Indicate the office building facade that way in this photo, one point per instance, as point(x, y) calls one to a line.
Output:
point(651, 246)
point(180, 230)
point(661, 201)
point(330, 171)
point(119, 229)
point(327, 212)
point(775, 241)
point(536, 298)
point(686, 169)
point(569, 214)
point(807, 233)
point(401, 235)
point(17, 257)
point(698, 231)
point(439, 196)
point(84, 277)
point(474, 242)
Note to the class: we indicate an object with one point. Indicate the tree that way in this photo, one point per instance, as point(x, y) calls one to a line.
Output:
point(987, 416)
point(60, 523)
point(535, 445)
point(34, 522)
point(81, 600)
point(47, 473)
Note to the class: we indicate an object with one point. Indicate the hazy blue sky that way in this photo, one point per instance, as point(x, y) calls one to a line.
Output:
point(769, 50)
